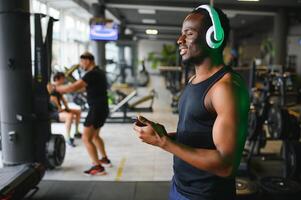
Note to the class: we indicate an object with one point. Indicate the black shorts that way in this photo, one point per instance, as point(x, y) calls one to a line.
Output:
point(54, 115)
point(96, 117)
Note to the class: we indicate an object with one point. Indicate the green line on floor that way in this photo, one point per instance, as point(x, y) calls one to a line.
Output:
point(120, 169)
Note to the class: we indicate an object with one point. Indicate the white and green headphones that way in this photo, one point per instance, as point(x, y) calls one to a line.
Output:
point(215, 34)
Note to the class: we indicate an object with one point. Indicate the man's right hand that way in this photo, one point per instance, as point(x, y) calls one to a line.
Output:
point(152, 133)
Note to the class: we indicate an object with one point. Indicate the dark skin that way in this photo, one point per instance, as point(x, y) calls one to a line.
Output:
point(228, 99)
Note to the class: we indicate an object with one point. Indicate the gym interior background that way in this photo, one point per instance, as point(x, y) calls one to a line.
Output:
point(145, 75)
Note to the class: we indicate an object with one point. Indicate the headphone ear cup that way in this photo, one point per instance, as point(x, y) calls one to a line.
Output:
point(209, 35)
point(212, 43)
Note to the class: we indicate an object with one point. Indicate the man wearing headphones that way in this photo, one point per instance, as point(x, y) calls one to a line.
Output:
point(213, 114)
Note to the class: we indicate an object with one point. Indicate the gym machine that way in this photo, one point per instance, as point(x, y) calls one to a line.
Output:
point(25, 125)
point(124, 118)
point(134, 105)
point(270, 119)
point(51, 146)
point(124, 106)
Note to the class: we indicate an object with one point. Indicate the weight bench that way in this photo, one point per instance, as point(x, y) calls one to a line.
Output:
point(122, 105)
point(17, 181)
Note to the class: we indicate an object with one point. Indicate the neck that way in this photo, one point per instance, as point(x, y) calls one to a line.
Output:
point(91, 67)
point(208, 67)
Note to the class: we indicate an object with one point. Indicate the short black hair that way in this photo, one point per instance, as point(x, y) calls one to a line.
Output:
point(58, 76)
point(207, 23)
point(87, 56)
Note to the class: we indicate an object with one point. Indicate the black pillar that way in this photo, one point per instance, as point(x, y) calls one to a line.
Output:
point(280, 37)
point(16, 109)
point(99, 50)
point(121, 51)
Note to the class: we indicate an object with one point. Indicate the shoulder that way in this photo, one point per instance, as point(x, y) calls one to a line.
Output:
point(231, 81)
point(231, 87)
point(88, 75)
point(101, 71)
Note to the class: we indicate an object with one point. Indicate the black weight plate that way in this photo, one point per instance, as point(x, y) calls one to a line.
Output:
point(55, 151)
point(288, 154)
point(60, 150)
point(245, 187)
point(279, 186)
point(294, 163)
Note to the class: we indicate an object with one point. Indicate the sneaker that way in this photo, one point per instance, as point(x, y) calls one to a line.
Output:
point(106, 162)
point(70, 142)
point(78, 135)
point(95, 170)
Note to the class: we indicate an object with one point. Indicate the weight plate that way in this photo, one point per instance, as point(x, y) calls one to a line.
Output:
point(245, 187)
point(292, 159)
point(55, 151)
point(276, 122)
point(279, 186)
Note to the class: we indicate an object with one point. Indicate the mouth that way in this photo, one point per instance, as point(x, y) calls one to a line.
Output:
point(183, 51)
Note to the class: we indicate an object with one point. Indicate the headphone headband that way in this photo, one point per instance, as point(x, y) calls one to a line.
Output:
point(215, 34)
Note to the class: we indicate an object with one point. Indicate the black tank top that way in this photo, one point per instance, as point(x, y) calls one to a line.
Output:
point(59, 98)
point(195, 130)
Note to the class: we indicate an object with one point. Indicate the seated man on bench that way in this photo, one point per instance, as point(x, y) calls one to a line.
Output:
point(65, 114)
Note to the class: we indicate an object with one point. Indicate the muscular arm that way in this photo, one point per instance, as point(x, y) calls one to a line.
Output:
point(225, 136)
point(78, 85)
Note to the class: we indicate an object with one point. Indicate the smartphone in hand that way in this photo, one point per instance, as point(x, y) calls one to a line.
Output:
point(139, 121)
point(160, 130)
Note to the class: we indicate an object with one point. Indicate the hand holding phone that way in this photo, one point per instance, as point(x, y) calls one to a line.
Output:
point(158, 128)
point(139, 123)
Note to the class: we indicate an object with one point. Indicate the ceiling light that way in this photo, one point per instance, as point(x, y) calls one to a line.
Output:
point(147, 11)
point(151, 31)
point(148, 21)
point(249, 0)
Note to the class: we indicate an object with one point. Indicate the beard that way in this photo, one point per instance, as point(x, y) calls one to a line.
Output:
point(200, 54)
point(196, 59)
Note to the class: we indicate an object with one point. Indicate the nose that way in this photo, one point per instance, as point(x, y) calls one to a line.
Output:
point(181, 40)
